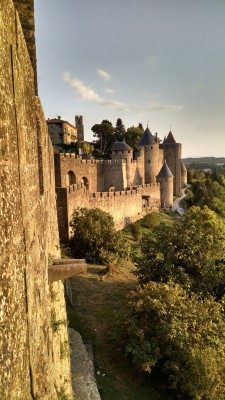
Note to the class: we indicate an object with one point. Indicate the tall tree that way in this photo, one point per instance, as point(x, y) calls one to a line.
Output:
point(120, 130)
point(104, 134)
point(133, 136)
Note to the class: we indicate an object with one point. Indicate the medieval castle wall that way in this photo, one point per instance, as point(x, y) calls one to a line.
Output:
point(125, 206)
point(30, 363)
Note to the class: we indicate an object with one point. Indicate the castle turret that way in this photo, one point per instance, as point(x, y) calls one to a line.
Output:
point(80, 127)
point(122, 151)
point(151, 155)
point(172, 154)
point(165, 178)
point(183, 174)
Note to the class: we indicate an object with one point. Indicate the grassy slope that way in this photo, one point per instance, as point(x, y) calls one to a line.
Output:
point(99, 297)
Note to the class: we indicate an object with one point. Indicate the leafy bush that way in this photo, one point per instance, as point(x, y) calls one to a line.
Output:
point(136, 231)
point(184, 334)
point(94, 237)
point(192, 253)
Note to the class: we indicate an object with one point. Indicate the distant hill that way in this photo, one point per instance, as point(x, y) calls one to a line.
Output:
point(204, 160)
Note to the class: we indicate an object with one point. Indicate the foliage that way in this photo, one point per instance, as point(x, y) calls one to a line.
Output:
point(185, 335)
point(191, 254)
point(120, 130)
point(104, 134)
point(207, 189)
point(136, 231)
point(133, 136)
point(94, 237)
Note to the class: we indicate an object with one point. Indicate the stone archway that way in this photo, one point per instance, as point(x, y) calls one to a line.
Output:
point(70, 178)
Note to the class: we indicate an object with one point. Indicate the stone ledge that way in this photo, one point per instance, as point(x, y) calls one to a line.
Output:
point(82, 370)
point(66, 268)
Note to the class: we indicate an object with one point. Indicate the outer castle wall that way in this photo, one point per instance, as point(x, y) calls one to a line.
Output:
point(125, 206)
point(30, 362)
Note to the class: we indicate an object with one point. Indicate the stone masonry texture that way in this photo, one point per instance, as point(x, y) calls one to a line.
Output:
point(33, 324)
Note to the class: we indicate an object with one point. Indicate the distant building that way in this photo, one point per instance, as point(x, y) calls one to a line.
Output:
point(62, 132)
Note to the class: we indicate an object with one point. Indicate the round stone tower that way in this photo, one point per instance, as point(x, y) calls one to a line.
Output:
point(165, 178)
point(122, 151)
point(172, 154)
point(151, 155)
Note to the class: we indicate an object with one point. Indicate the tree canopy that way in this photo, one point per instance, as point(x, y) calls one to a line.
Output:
point(94, 237)
point(104, 134)
point(185, 335)
point(191, 254)
point(133, 136)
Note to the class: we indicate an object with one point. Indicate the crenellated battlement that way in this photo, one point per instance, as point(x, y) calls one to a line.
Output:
point(79, 188)
point(77, 160)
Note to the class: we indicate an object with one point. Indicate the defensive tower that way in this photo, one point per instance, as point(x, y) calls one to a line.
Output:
point(80, 127)
point(151, 156)
point(165, 178)
point(172, 155)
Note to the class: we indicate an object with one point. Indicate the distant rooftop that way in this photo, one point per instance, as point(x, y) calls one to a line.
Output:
point(60, 121)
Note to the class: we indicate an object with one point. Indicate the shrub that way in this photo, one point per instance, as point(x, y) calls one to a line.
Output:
point(185, 334)
point(94, 237)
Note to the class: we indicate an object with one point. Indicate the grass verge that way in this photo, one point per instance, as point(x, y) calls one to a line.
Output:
point(98, 298)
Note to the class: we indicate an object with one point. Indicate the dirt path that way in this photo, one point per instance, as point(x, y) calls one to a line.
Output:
point(98, 299)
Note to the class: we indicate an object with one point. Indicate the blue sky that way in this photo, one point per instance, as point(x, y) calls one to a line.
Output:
point(161, 61)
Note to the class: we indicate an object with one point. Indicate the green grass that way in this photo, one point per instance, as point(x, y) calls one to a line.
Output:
point(98, 298)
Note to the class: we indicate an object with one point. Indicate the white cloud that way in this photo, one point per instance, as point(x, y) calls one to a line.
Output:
point(163, 107)
point(87, 93)
point(104, 74)
point(109, 90)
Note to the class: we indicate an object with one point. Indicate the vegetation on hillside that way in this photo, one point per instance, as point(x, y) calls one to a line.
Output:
point(207, 189)
point(173, 321)
point(175, 318)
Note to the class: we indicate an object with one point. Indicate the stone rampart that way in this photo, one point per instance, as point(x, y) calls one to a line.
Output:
point(125, 206)
point(33, 325)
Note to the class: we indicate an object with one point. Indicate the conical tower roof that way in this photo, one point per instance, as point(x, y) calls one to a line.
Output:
point(170, 138)
point(147, 138)
point(164, 171)
point(119, 146)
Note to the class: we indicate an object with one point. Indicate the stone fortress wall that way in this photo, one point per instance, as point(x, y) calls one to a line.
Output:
point(125, 206)
point(124, 186)
point(87, 183)
point(33, 327)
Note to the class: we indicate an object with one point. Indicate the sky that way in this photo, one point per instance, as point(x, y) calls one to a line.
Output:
point(160, 62)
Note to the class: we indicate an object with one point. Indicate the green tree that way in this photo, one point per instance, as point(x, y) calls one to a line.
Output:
point(192, 253)
point(120, 130)
point(94, 237)
point(133, 136)
point(184, 334)
point(104, 134)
